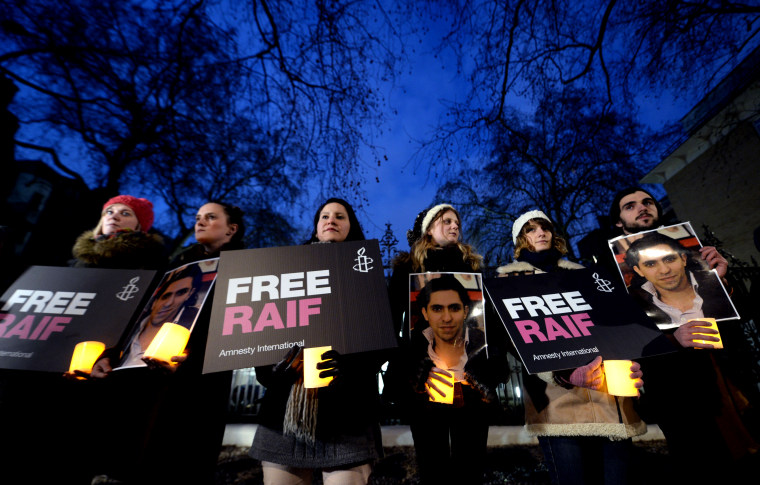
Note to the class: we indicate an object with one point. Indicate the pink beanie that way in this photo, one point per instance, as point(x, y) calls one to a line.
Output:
point(143, 209)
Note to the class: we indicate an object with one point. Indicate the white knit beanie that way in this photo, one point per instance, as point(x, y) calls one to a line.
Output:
point(431, 215)
point(520, 222)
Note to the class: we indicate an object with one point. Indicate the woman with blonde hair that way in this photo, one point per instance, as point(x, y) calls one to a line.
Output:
point(435, 245)
point(121, 239)
point(443, 433)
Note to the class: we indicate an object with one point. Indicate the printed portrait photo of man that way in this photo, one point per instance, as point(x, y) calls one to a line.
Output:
point(671, 284)
point(175, 300)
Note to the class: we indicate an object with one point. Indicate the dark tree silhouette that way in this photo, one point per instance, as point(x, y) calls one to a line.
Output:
point(567, 159)
point(512, 52)
point(263, 104)
point(514, 47)
point(517, 55)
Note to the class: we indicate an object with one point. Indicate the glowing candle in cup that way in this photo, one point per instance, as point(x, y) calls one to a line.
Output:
point(618, 376)
point(713, 325)
point(85, 355)
point(311, 357)
point(168, 342)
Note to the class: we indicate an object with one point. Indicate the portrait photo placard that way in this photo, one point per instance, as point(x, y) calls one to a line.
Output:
point(269, 300)
point(665, 274)
point(48, 310)
point(563, 320)
point(178, 298)
point(472, 306)
point(446, 317)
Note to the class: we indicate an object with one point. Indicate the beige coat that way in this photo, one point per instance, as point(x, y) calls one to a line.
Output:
point(577, 411)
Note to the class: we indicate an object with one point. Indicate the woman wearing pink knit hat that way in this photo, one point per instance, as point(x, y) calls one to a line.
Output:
point(121, 240)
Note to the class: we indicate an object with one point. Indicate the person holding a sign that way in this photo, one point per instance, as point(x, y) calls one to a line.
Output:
point(334, 428)
point(435, 245)
point(584, 432)
point(451, 385)
point(121, 238)
point(669, 399)
point(634, 210)
point(133, 399)
point(191, 413)
point(677, 293)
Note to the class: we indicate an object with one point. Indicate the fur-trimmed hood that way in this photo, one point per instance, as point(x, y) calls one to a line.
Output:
point(552, 410)
point(127, 250)
point(523, 267)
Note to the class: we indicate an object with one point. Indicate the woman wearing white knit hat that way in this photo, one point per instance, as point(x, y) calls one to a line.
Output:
point(584, 432)
point(443, 433)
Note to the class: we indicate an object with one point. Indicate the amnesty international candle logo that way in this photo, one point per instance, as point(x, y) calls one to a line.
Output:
point(128, 292)
point(363, 262)
point(602, 284)
point(269, 300)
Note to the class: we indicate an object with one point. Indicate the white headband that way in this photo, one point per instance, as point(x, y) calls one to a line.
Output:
point(431, 215)
point(520, 222)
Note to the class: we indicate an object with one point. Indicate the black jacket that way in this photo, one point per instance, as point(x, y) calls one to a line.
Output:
point(716, 304)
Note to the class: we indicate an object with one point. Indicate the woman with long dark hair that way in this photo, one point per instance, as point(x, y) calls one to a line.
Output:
point(334, 429)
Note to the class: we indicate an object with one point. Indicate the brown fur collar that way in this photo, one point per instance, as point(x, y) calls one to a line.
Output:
point(129, 250)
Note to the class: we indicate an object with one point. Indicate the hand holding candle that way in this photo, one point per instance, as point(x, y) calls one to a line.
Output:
point(169, 342)
point(311, 373)
point(708, 327)
point(333, 365)
point(623, 377)
point(290, 368)
point(169, 366)
point(589, 376)
point(84, 357)
point(440, 386)
point(698, 334)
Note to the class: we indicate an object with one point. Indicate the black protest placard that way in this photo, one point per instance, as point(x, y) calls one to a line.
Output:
point(48, 310)
point(269, 300)
point(563, 320)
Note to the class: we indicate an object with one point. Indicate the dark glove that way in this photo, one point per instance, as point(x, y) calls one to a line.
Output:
point(333, 364)
point(290, 367)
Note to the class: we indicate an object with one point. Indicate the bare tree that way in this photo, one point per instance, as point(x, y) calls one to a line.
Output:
point(265, 103)
point(595, 61)
point(567, 159)
point(314, 72)
point(512, 51)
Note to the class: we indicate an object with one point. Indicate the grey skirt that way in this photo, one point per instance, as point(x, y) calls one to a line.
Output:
point(328, 450)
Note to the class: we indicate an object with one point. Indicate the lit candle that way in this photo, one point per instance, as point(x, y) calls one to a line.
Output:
point(448, 391)
point(85, 355)
point(618, 376)
point(714, 325)
point(311, 357)
point(168, 342)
